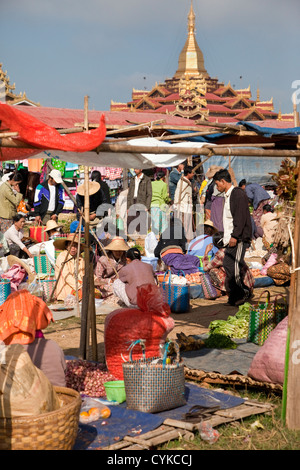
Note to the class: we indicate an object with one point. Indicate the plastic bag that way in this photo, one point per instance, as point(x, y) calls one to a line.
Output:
point(36, 289)
point(70, 301)
point(208, 433)
point(24, 389)
point(92, 410)
point(268, 363)
point(150, 244)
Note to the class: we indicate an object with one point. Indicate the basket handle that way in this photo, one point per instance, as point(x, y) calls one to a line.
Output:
point(168, 271)
point(141, 342)
point(180, 271)
point(276, 299)
point(268, 296)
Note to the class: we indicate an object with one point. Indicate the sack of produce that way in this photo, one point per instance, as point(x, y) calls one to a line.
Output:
point(151, 322)
point(24, 389)
point(269, 361)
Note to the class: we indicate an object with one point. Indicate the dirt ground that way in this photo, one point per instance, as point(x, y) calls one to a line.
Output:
point(67, 332)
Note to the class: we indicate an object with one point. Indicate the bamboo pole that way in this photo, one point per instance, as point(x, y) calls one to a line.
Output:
point(88, 323)
point(292, 411)
point(77, 267)
point(221, 150)
point(215, 150)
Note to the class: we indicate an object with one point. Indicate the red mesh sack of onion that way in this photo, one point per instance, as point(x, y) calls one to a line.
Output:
point(87, 377)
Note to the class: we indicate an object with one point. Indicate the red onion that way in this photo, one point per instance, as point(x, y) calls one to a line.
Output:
point(87, 377)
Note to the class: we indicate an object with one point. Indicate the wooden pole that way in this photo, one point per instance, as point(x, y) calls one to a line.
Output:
point(292, 411)
point(88, 322)
point(171, 149)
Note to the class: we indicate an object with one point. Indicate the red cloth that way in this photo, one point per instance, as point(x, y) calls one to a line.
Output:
point(36, 133)
point(151, 322)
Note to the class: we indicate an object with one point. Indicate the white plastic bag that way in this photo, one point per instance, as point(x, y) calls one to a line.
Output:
point(150, 244)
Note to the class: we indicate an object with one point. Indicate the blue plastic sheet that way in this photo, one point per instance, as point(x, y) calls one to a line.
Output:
point(124, 422)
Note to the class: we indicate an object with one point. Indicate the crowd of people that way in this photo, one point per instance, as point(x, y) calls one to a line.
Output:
point(170, 209)
point(183, 215)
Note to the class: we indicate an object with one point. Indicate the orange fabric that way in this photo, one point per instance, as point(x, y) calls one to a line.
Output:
point(21, 315)
point(35, 164)
point(172, 250)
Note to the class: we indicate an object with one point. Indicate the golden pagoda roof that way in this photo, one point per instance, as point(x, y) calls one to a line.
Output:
point(10, 97)
point(191, 60)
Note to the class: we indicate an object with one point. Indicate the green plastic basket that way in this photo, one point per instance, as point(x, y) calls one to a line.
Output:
point(115, 391)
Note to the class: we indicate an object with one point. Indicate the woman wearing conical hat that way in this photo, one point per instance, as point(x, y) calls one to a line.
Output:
point(69, 270)
point(108, 266)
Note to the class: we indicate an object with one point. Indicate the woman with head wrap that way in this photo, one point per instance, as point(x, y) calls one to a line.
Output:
point(23, 316)
point(171, 249)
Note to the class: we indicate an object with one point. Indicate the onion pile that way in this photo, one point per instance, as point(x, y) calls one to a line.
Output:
point(87, 377)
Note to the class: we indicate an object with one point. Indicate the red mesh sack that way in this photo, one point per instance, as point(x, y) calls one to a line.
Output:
point(151, 322)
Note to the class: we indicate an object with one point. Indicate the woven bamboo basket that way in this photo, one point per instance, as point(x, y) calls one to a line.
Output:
point(56, 430)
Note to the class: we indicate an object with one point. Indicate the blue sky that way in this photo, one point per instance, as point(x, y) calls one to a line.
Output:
point(58, 51)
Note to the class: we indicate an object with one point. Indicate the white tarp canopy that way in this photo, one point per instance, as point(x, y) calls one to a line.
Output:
point(128, 160)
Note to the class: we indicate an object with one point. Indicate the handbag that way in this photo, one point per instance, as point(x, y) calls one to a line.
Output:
point(264, 317)
point(42, 263)
point(209, 290)
point(47, 288)
point(153, 384)
point(38, 233)
point(177, 296)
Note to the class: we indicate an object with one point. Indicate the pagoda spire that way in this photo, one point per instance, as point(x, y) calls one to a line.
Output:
point(191, 61)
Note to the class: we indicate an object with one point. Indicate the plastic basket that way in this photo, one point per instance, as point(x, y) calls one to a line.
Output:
point(47, 286)
point(42, 264)
point(5, 290)
point(115, 391)
point(201, 262)
point(177, 296)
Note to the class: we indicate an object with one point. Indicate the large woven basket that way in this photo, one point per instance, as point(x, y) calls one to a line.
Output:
point(56, 430)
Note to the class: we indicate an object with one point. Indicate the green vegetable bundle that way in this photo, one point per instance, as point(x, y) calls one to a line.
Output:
point(219, 341)
point(235, 326)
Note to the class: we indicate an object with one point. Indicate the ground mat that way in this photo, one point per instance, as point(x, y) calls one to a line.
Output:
point(224, 361)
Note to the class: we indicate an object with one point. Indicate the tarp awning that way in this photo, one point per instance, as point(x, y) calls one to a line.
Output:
point(270, 131)
point(34, 132)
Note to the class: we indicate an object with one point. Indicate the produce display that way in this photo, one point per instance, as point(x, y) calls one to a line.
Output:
point(221, 332)
point(87, 377)
point(194, 278)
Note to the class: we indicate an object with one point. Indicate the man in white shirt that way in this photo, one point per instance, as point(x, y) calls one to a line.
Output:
point(237, 237)
point(49, 198)
point(14, 236)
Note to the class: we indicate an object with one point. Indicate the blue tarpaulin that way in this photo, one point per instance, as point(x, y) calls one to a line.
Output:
point(252, 169)
point(270, 131)
point(124, 422)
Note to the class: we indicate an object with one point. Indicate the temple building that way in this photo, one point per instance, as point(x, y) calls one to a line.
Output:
point(194, 95)
point(7, 92)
